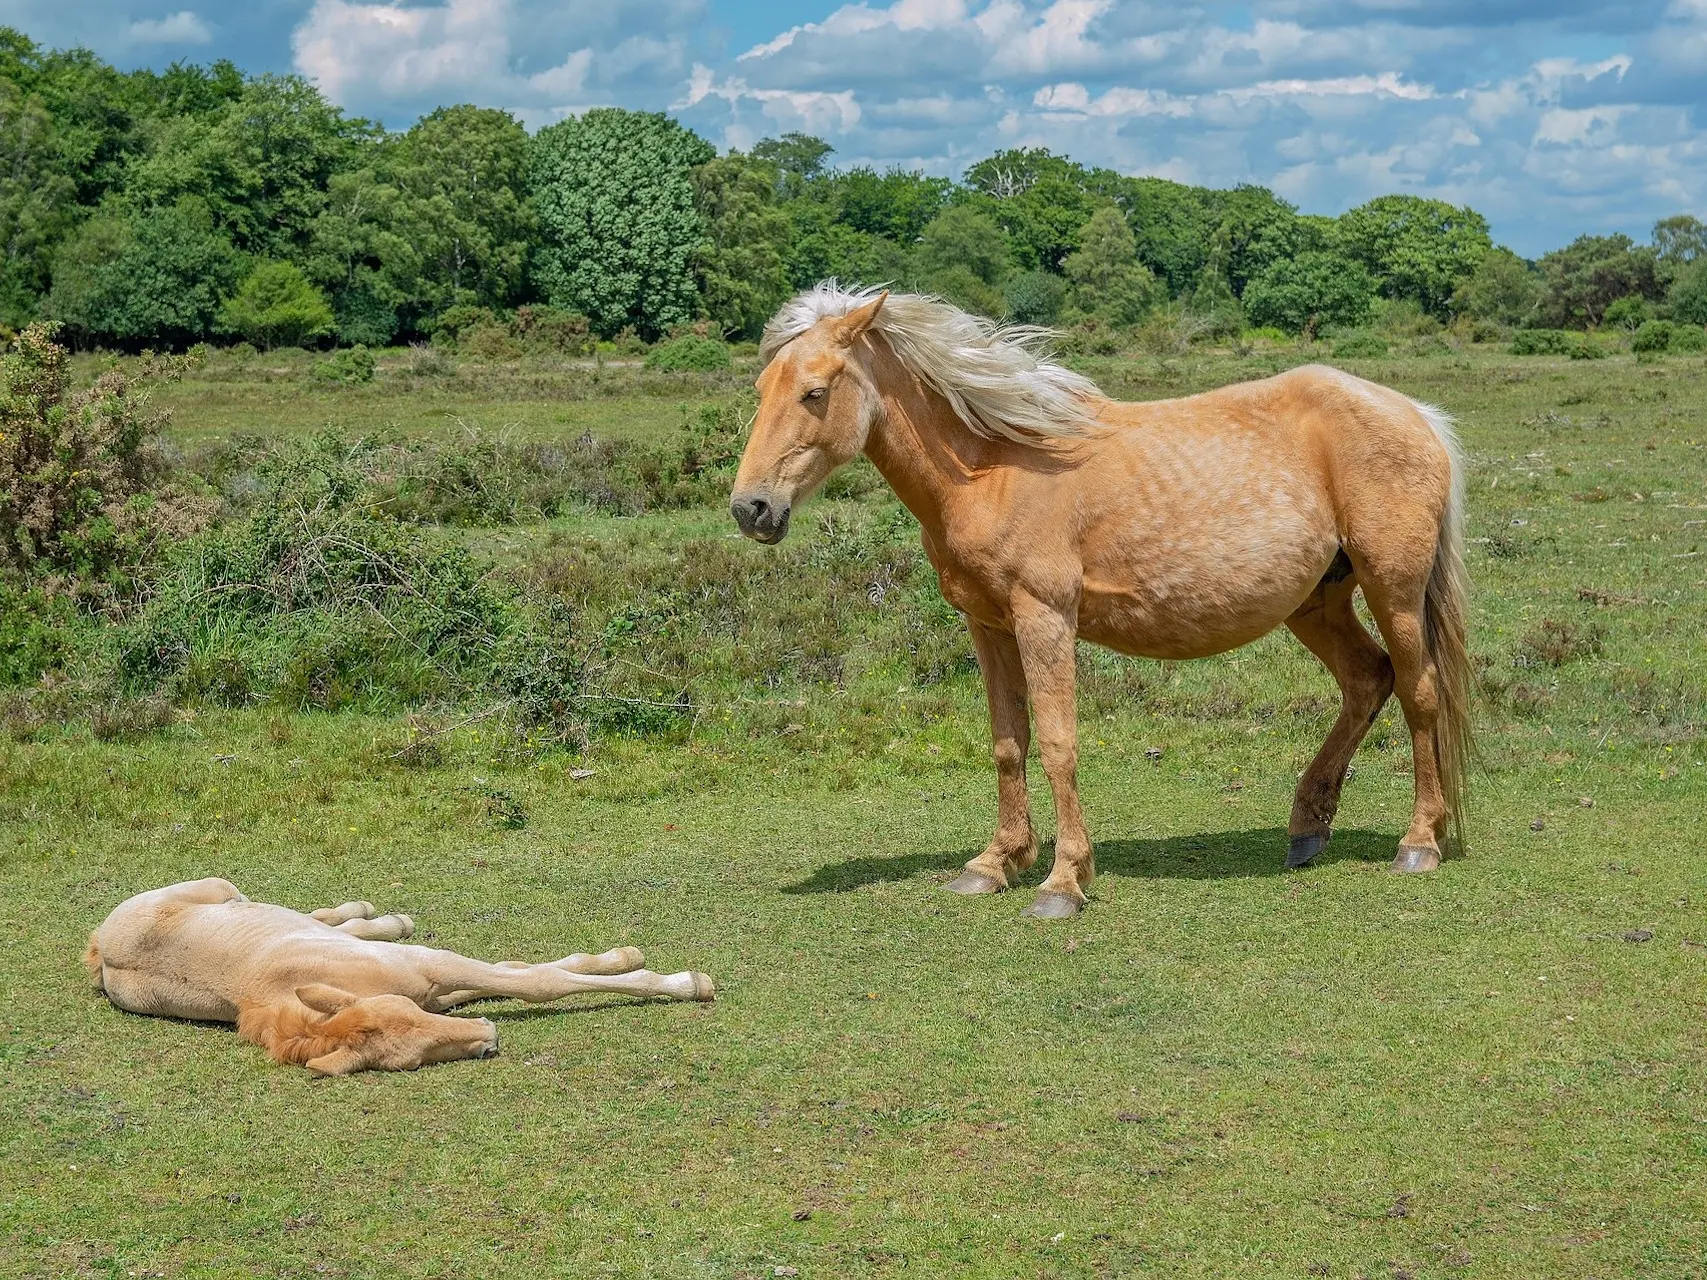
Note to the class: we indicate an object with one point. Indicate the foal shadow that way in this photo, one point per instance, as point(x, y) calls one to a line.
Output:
point(1208, 855)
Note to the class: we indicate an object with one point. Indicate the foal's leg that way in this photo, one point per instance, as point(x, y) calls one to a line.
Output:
point(338, 915)
point(379, 929)
point(1014, 846)
point(1396, 599)
point(1045, 640)
point(454, 976)
point(1328, 626)
point(620, 960)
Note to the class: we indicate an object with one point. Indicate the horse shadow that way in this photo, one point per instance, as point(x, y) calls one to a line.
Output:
point(1206, 855)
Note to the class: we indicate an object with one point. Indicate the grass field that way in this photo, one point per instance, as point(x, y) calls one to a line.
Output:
point(1220, 1069)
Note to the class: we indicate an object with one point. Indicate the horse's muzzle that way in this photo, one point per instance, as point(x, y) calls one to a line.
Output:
point(759, 518)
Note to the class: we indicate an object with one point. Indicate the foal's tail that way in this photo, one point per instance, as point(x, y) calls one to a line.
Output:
point(92, 963)
point(1445, 626)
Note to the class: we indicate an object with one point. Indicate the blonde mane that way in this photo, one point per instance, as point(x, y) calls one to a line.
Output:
point(997, 377)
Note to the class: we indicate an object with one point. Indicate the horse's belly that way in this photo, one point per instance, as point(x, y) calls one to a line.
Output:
point(1192, 606)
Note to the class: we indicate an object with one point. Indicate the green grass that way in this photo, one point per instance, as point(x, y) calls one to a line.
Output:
point(1218, 1070)
point(273, 394)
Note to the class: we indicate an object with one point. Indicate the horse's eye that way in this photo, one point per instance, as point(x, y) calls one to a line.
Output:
point(817, 393)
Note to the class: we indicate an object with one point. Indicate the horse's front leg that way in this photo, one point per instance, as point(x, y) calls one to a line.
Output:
point(1014, 846)
point(1045, 638)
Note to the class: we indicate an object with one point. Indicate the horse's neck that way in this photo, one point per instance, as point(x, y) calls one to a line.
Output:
point(924, 451)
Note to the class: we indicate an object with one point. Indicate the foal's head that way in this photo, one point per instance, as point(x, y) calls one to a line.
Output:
point(816, 403)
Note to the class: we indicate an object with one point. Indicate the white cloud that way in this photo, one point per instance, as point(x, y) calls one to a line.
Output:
point(807, 111)
point(375, 54)
point(182, 27)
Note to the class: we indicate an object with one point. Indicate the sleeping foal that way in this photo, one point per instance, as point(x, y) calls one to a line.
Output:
point(331, 990)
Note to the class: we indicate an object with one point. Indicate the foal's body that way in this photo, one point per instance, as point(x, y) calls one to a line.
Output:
point(332, 990)
point(1172, 529)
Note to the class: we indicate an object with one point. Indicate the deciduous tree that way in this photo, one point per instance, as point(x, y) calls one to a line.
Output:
point(619, 227)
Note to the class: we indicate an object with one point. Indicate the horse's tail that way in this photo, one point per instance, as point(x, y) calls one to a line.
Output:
point(1445, 627)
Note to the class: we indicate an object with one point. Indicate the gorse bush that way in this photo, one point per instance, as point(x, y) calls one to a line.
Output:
point(1360, 342)
point(350, 366)
point(1547, 342)
point(1654, 337)
point(550, 330)
point(86, 498)
point(1688, 339)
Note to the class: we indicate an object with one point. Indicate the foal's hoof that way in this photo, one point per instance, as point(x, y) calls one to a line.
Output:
point(1303, 848)
point(1053, 906)
point(1415, 857)
point(704, 989)
point(971, 883)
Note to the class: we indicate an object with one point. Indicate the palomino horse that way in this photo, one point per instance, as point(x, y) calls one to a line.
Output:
point(330, 990)
point(1176, 529)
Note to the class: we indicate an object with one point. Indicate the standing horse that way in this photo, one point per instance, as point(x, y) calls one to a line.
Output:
point(1174, 529)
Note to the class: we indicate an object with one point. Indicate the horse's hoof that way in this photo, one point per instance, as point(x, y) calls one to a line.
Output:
point(971, 883)
point(1303, 848)
point(1415, 857)
point(1053, 906)
point(704, 989)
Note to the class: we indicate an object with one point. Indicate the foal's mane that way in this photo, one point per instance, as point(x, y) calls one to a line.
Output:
point(998, 377)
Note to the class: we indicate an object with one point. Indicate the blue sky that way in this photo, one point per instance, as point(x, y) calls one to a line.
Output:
point(1580, 115)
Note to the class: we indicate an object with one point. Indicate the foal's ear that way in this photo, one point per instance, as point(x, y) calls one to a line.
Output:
point(860, 319)
point(324, 999)
point(340, 1062)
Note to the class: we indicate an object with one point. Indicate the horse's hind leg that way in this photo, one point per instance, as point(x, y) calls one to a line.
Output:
point(349, 911)
point(457, 978)
point(1328, 626)
point(1396, 597)
point(620, 960)
point(393, 928)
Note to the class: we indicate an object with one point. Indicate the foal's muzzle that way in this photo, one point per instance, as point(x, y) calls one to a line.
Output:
point(759, 518)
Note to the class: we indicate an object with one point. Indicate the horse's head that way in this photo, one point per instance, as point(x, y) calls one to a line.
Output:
point(816, 404)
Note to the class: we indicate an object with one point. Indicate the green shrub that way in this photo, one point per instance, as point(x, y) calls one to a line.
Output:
point(314, 598)
point(1688, 338)
point(1688, 295)
point(1360, 342)
point(1629, 313)
point(689, 353)
point(1091, 337)
point(348, 366)
point(1653, 338)
point(36, 633)
point(1554, 342)
point(1541, 342)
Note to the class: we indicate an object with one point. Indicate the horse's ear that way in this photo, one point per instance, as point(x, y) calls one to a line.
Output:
point(324, 999)
point(340, 1062)
point(860, 319)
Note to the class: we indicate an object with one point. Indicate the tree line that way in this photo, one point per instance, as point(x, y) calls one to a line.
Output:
point(164, 208)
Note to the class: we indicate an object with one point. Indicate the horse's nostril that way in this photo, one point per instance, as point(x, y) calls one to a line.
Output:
point(758, 508)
